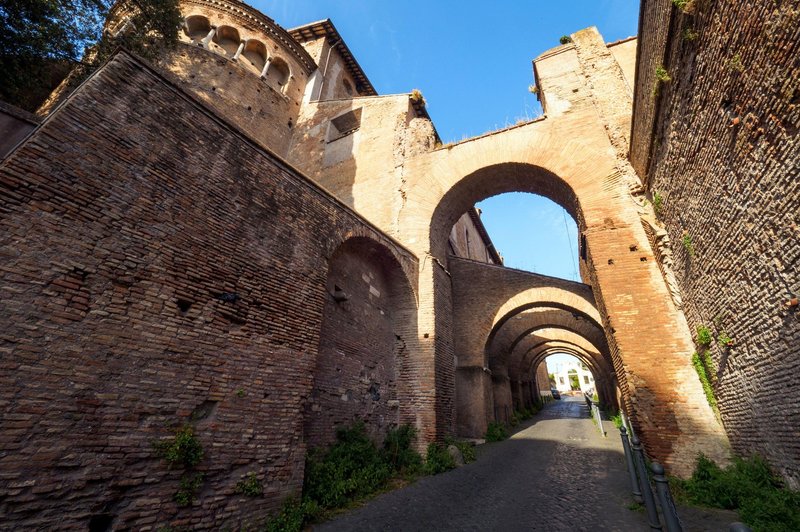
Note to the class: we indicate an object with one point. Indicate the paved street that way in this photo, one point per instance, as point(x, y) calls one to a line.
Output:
point(557, 473)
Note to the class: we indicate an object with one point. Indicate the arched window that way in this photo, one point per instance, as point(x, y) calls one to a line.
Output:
point(278, 74)
point(226, 40)
point(196, 27)
point(255, 55)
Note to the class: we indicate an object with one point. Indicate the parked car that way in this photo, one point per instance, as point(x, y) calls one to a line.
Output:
point(555, 393)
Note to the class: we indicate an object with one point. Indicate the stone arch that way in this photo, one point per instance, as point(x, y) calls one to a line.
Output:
point(493, 180)
point(604, 376)
point(254, 55)
point(541, 331)
point(279, 74)
point(196, 27)
point(512, 344)
point(569, 159)
point(505, 334)
point(367, 338)
point(226, 41)
point(512, 304)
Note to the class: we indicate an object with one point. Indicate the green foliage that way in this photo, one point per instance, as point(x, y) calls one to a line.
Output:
point(397, 451)
point(616, 419)
point(574, 382)
point(702, 373)
point(662, 75)
point(438, 460)
point(240, 392)
point(747, 486)
point(183, 450)
point(40, 35)
point(416, 96)
point(658, 202)
point(685, 6)
point(293, 515)
point(688, 245)
point(724, 339)
point(250, 486)
point(533, 89)
point(350, 469)
point(496, 432)
point(565, 39)
point(188, 488)
point(689, 34)
point(513, 421)
point(735, 63)
point(703, 336)
point(466, 448)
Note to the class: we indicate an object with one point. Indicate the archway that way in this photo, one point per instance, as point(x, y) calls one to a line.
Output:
point(568, 159)
point(521, 335)
point(368, 333)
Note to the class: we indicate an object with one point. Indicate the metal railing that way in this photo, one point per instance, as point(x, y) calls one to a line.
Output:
point(594, 411)
point(642, 489)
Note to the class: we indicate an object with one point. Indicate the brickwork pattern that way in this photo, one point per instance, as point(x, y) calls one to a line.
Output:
point(266, 115)
point(726, 160)
point(159, 269)
point(361, 350)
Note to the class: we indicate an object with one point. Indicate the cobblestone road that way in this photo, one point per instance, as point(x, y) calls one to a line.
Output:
point(557, 473)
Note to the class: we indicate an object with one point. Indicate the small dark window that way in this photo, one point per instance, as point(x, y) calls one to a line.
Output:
point(344, 125)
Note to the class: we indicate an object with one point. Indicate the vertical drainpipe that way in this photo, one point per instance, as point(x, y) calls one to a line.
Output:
point(325, 71)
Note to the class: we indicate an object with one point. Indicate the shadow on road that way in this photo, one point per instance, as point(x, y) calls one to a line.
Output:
point(555, 473)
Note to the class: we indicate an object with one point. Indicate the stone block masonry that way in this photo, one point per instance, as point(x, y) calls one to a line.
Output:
point(725, 159)
point(159, 269)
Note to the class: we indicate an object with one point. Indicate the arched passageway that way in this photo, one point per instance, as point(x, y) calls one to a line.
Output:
point(569, 161)
point(368, 332)
point(518, 312)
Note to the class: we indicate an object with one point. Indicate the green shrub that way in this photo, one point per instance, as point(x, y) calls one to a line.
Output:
point(438, 460)
point(724, 339)
point(350, 469)
point(466, 448)
point(293, 515)
point(662, 74)
point(496, 432)
point(249, 485)
point(188, 488)
point(397, 451)
point(513, 420)
point(616, 419)
point(688, 245)
point(183, 450)
point(747, 486)
point(703, 336)
point(565, 39)
point(702, 373)
point(658, 202)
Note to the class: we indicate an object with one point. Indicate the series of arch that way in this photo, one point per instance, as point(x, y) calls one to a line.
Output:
point(529, 328)
point(252, 53)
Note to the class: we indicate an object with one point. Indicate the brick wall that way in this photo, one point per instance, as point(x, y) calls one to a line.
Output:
point(725, 161)
point(363, 348)
point(238, 94)
point(159, 269)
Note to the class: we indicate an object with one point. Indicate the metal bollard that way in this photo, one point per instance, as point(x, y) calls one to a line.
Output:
point(668, 510)
point(644, 485)
point(626, 446)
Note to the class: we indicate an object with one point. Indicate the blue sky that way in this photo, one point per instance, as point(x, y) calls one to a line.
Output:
point(472, 62)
